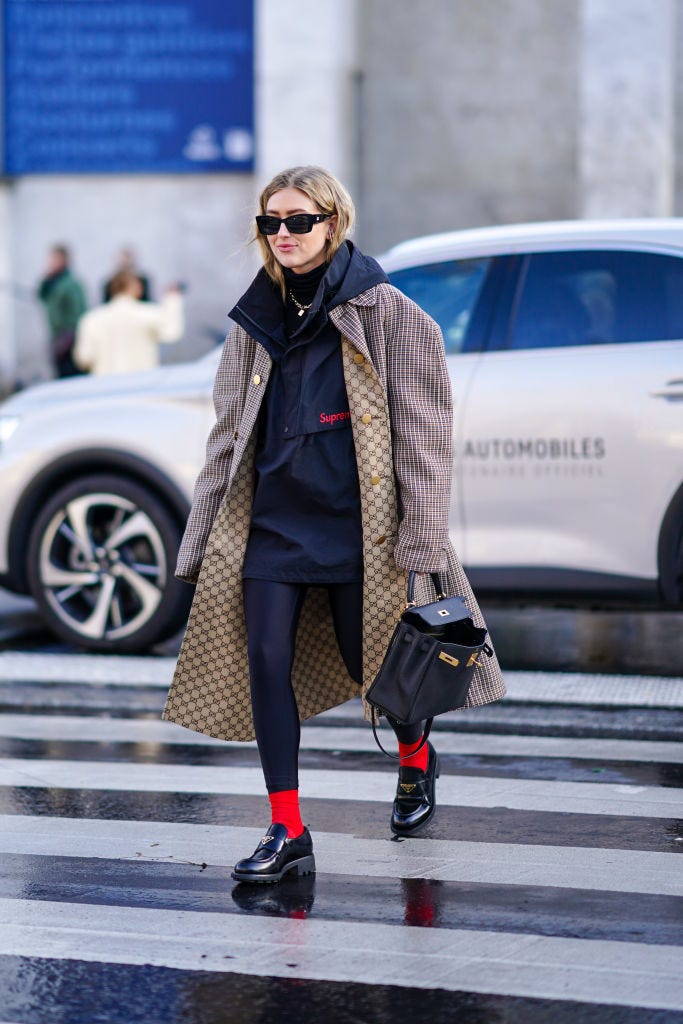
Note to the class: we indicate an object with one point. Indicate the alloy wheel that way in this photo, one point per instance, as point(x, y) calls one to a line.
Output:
point(102, 566)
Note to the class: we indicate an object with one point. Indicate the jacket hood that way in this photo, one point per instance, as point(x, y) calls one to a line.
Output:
point(350, 274)
point(260, 311)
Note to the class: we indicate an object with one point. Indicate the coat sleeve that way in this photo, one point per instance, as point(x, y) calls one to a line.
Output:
point(421, 411)
point(165, 319)
point(85, 349)
point(212, 482)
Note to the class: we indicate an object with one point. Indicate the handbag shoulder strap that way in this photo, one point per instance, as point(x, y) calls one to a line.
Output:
point(396, 757)
point(436, 580)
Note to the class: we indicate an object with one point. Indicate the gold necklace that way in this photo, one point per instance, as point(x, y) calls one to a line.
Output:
point(302, 309)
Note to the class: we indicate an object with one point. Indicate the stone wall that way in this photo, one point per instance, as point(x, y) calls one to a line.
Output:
point(184, 228)
point(469, 114)
point(437, 115)
point(193, 228)
point(626, 113)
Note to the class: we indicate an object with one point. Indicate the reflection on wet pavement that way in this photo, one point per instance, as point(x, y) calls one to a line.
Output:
point(415, 902)
point(173, 914)
point(293, 897)
point(40, 991)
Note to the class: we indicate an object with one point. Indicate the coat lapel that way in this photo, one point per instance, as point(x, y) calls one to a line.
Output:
point(347, 321)
point(260, 369)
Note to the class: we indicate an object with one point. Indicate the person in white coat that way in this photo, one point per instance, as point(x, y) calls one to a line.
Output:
point(124, 335)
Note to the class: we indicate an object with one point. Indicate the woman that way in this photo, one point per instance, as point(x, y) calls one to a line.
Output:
point(327, 478)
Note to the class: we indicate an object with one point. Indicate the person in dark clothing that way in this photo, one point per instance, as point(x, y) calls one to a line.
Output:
point(306, 517)
point(64, 300)
point(327, 479)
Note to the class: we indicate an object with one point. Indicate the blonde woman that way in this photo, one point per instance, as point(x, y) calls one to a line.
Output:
point(327, 478)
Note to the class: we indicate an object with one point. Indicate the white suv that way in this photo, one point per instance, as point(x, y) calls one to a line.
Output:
point(565, 349)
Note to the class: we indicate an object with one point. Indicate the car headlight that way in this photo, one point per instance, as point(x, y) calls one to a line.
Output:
point(8, 424)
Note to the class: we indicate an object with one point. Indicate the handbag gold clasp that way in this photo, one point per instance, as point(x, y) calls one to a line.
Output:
point(449, 659)
point(473, 660)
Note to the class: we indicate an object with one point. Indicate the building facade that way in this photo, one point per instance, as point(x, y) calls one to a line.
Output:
point(437, 116)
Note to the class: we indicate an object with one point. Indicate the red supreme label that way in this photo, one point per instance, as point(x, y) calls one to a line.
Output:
point(334, 417)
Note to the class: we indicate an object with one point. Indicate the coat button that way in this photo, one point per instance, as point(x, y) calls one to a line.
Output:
point(257, 378)
point(366, 418)
point(359, 359)
point(381, 539)
point(374, 480)
point(235, 435)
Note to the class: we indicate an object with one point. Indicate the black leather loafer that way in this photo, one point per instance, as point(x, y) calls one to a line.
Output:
point(415, 802)
point(275, 856)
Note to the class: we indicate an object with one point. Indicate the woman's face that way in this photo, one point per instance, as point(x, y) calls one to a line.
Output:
point(300, 253)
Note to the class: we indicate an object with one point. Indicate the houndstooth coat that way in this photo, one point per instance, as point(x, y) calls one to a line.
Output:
point(400, 403)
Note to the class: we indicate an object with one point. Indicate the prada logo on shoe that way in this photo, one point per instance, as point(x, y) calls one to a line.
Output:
point(407, 787)
point(266, 839)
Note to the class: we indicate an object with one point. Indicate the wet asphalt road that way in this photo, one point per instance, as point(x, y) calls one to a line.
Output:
point(547, 888)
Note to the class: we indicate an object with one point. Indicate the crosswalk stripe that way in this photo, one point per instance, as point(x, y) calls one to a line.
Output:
point(338, 853)
point(102, 706)
point(390, 899)
point(608, 972)
point(528, 794)
point(370, 819)
point(540, 687)
point(121, 730)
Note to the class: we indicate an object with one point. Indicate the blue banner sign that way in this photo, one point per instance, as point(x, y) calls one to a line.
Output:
point(103, 86)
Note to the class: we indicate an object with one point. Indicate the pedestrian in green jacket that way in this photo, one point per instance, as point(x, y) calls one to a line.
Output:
point(64, 300)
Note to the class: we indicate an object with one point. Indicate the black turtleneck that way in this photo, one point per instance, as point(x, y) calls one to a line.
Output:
point(303, 287)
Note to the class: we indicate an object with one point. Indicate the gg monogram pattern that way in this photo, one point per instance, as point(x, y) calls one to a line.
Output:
point(399, 400)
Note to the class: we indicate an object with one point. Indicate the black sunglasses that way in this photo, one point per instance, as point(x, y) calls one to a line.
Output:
point(297, 224)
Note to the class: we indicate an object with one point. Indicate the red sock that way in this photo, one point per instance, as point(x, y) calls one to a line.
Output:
point(284, 807)
point(409, 759)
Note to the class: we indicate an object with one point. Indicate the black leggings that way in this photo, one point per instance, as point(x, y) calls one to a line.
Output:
point(272, 613)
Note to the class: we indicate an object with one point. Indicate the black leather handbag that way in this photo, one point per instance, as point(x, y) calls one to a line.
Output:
point(430, 663)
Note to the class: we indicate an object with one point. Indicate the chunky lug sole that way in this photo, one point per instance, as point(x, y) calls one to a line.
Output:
point(302, 866)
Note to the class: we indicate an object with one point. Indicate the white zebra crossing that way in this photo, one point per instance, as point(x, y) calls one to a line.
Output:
point(525, 965)
point(442, 860)
point(112, 730)
point(520, 963)
point(454, 791)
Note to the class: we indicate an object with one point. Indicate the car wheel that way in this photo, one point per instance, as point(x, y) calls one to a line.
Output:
point(678, 570)
point(100, 565)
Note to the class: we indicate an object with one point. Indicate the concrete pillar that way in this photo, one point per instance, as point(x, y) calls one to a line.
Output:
point(306, 75)
point(626, 122)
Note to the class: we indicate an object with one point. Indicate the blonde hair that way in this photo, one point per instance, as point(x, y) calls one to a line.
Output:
point(329, 196)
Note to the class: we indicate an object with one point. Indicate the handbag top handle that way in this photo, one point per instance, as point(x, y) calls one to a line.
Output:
point(438, 587)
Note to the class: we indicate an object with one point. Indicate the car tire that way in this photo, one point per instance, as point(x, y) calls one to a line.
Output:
point(100, 565)
point(678, 569)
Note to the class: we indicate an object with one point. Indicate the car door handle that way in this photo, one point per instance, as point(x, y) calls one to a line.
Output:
point(673, 391)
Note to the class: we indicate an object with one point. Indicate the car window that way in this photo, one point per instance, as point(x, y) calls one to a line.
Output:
point(448, 292)
point(597, 297)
